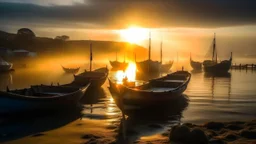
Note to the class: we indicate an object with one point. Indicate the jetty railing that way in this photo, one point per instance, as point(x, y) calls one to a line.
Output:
point(244, 66)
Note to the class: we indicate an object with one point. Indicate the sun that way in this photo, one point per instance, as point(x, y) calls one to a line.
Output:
point(134, 34)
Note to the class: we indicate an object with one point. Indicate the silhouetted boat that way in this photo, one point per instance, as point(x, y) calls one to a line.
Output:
point(213, 65)
point(153, 66)
point(195, 65)
point(156, 92)
point(40, 97)
point(5, 66)
point(70, 70)
point(118, 65)
point(166, 67)
point(96, 78)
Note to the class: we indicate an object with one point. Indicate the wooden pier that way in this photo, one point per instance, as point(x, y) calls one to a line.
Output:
point(244, 66)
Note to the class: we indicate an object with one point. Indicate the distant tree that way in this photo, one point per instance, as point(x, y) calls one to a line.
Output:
point(63, 37)
point(26, 33)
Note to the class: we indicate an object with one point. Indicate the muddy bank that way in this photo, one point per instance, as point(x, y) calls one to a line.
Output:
point(236, 132)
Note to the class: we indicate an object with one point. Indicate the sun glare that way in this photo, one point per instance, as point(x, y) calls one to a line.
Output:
point(134, 34)
point(129, 73)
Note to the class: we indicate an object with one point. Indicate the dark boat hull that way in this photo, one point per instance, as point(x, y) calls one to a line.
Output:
point(71, 70)
point(222, 67)
point(166, 67)
point(95, 82)
point(129, 100)
point(149, 66)
point(196, 65)
point(118, 65)
point(14, 103)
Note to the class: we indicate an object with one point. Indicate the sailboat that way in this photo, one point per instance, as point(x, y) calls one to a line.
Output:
point(167, 66)
point(118, 65)
point(213, 65)
point(149, 65)
point(195, 64)
point(97, 77)
point(4, 65)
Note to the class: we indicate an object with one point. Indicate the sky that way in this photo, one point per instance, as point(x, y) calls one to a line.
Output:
point(183, 25)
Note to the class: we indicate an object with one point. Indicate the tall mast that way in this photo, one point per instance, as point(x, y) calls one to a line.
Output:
point(149, 49)
point(214, 46)
point(90, 56)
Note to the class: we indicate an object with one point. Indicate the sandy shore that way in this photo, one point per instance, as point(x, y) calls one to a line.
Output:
point(115, 131)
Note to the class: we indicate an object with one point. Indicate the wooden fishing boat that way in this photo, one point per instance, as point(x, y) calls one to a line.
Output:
point(154, 66)
point(96, 78)
point(213, 66)
point(155, 93)
point(5, 66)
point(40, 97)
point(70, 70)
point(195, 65)
point(118, 65)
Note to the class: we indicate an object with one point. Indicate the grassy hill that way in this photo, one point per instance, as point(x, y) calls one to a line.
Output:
point(54, 47)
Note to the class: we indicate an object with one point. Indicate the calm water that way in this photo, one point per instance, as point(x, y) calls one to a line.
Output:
point(207, 98)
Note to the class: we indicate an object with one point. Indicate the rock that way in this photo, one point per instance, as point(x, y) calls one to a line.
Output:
point(216, 141)
point(179, 134)
point(214, 125)
point(250, 134)
point(155, 126)
point(90, 136)
point(222, 131)
point(211, 133)
point(190, 125)
point(197, 136)
point(234, 127)
point(231, 136)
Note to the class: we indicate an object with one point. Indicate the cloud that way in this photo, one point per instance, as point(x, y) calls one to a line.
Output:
point(146, 13)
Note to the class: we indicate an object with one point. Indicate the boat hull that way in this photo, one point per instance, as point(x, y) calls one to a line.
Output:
point(95, 82)
point(166, 67)
point(13, 103)
point(149, 66)
point(118, 65)
point(196, 65)
point(4, 68)
point(130, 100)
point(222, 67)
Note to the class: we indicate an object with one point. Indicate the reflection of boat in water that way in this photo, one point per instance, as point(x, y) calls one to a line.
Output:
point(195, 65)
point(5, 66)
point(40, 97)
point(225, 75)
point(156, 93)
point(151, 122)
point(35, 124)
point(96, 78)
point(70, 70)
point(213, 65)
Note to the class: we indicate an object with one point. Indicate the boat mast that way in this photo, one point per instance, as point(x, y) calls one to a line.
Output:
point(213, 51)
point(90, 56)
point(149, 49)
